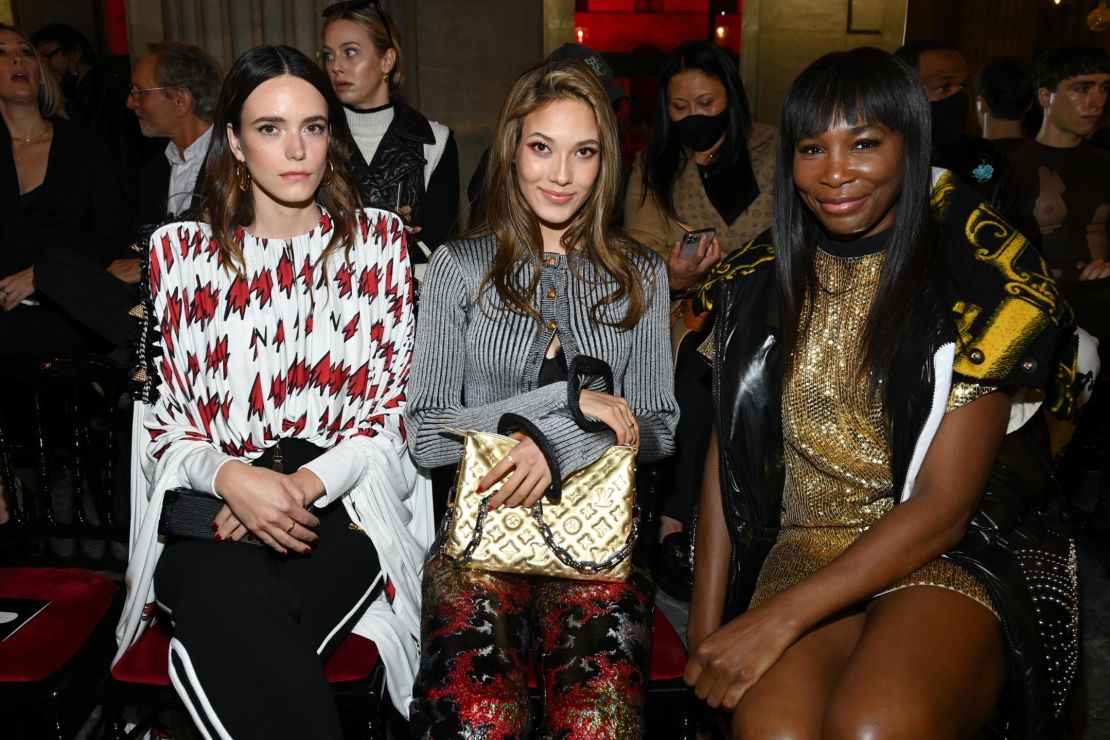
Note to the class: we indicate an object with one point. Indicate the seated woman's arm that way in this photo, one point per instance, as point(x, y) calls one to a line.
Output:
point(648, 389)
point(435, 389)
point(180, 422)
point(712, 554)
point(932, 520)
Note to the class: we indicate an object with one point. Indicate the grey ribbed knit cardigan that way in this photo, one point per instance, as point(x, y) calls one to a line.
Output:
point(472, 364)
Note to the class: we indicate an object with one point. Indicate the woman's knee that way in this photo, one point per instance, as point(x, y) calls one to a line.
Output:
point(757, 718)
point(879, 716)
point(235, 592)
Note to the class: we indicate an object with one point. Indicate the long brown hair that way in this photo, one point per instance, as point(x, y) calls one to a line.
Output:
point(591, 231)
point(228, 208)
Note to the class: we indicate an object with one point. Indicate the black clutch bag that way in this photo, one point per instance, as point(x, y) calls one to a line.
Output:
point(189, 513)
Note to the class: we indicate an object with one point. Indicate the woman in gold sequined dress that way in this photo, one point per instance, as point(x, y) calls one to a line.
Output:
point(857, 428)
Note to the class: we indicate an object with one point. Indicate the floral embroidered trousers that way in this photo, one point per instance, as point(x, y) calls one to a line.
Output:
point(589, 641)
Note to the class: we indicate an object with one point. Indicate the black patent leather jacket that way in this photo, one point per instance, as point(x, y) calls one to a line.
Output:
point(747, 390)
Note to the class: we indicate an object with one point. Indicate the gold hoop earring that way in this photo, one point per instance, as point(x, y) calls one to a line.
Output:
point(243, 175)
point(329, 175)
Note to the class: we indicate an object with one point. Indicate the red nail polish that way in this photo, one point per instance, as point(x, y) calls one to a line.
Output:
point(307, 550)
point(480, 489)
point(215, 527)
point(218, 538)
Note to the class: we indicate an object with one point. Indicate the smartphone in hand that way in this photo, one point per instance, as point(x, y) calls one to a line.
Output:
point(689, 248)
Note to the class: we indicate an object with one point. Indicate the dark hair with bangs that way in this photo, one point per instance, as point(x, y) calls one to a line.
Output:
point(865, 84)
point(1057, 63)
point(664, 156)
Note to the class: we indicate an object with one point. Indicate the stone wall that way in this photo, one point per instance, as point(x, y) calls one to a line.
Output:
point(781, 37)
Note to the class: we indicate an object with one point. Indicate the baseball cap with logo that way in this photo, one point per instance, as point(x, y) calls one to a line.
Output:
point(595, 62)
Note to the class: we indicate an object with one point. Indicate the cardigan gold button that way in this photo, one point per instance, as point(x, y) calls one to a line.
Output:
point(551, 293)
point(551, 325)
point(976, 355)
point(1029, 365)
point(551, 261)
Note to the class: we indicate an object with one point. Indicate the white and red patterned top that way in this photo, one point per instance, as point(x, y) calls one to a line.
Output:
point(290, 348)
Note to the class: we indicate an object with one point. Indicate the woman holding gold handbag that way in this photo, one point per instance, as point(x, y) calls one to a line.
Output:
point(516, 326)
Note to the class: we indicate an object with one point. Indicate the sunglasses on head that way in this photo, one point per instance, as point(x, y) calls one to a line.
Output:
point(352, 5)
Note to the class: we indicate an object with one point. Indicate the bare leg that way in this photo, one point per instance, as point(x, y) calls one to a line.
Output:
point(789, 700)
point(929, 664)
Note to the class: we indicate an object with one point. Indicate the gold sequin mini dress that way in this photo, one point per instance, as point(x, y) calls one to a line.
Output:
point(838, 463)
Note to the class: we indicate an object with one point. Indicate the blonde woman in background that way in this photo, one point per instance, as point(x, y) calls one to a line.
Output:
point(406, 162)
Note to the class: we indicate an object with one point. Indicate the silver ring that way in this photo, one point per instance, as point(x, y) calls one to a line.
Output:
point(510, 459)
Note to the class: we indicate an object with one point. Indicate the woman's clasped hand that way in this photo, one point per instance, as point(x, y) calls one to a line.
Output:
point(526, 474)
point(270, 505)
point(16, 288)
point(525, 470)
point(614, 412)
point(728, 662)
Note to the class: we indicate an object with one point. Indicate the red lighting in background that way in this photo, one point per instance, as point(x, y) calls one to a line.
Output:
point(114, 15)
point(615, 26)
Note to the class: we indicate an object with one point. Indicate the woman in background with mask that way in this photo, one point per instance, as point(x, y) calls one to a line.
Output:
point(706, 165)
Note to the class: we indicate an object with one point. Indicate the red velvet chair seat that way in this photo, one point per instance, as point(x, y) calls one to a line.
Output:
point(78, 599)
point(668, 656)
point(147, 662)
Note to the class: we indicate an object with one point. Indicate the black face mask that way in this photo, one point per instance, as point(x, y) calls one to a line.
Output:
point(948, 117)
point(700, 132)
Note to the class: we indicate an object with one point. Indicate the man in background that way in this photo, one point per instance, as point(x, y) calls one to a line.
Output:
point(90, 100)
point(173, 94)
point(1068, 180)
point(1003, 95)
point(942, 69)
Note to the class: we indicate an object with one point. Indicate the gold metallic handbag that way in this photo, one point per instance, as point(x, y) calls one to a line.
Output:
point(587, 535)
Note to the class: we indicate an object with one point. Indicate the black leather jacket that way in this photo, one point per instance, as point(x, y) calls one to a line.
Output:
point(395, 177)
point(747, 390)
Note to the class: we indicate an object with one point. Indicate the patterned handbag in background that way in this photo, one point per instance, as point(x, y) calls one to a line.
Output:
point(587, 535)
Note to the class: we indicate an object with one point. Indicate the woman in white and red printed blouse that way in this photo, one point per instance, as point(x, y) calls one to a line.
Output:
point(285, 330)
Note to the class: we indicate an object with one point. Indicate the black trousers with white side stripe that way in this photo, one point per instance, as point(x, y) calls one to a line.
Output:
point(251, 629)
